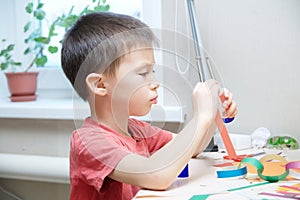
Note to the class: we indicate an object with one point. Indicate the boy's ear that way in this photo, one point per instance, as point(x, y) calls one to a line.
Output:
point(96, 84)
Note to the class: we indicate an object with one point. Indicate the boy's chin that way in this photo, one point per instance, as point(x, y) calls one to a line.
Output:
point(141, 114)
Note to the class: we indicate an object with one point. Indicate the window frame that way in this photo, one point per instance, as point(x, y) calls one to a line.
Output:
point(45, 79)
point(46, 84)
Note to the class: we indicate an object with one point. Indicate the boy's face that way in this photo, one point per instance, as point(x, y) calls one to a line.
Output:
point(135, 86)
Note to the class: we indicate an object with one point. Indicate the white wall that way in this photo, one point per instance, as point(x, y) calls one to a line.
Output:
point(255, 45)
point(35, 137)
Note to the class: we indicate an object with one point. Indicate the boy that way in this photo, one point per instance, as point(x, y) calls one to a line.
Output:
point(109, 60)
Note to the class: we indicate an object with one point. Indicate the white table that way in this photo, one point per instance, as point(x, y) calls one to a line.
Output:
point(203, 180)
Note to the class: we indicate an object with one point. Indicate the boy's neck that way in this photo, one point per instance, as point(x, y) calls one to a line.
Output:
point(102, 113)
point(118, 125)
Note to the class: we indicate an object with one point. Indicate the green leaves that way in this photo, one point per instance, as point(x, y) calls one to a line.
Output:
point(4, 66)
point(39, 14)
point(52, 29)
point(27, 26)
point(16, 63)
point(6, 56)
point(41, 61)
point(101, 6)
point(10, 47)
point(44, 40)
point(6, 51)
point(67, 20)
point(52, 49)
point(39, 6)
point(37, 41)
point(27, 51)
point(29, 8)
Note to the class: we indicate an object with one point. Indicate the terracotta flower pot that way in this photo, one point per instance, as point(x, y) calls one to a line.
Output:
point(22, 85)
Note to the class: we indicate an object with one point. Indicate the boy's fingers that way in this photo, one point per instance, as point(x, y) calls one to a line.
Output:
point(214, 86)
point(228, 98)
point(232, 110)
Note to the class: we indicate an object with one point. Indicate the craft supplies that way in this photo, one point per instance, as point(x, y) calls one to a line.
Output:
point(282, 142)
point(259, 166)
point(225, 137)
point(285, 191)
point(185, 172)
point(260, 137)
point(232, 171)
point(292, 167)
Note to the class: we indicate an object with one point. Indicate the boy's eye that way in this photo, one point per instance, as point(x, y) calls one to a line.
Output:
point(145, 73)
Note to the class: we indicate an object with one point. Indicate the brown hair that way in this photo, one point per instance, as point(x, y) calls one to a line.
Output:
point(96, 43)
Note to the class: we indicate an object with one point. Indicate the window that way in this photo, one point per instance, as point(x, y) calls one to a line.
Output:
point(13, 13)
point(129, 7)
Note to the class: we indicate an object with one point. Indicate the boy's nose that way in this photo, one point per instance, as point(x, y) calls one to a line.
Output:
point(154, 85)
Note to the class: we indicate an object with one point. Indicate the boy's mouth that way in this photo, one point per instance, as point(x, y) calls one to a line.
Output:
point(154, 100)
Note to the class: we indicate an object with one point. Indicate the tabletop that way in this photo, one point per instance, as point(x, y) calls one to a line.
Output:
point(203, 183)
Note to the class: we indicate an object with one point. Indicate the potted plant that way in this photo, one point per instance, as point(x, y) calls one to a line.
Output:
point(23, 84)
point(16, 83)
point(37, 43)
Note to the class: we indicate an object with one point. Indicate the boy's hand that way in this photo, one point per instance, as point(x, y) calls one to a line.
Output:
point(205, 98)
point(229, 105)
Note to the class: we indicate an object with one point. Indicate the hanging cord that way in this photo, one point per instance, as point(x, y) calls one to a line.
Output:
point(176, 42)
point(7, 195)
point(204, 62)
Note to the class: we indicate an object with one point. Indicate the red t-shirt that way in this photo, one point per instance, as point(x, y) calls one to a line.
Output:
point(95, 152)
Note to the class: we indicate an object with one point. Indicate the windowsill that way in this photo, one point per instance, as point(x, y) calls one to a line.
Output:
point(34, 168)
point(67, 109)
point(56, 169)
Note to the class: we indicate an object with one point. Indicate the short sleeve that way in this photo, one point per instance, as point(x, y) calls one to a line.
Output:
point(97, 156)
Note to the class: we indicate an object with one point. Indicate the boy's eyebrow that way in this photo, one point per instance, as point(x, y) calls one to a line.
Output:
point(145, 65)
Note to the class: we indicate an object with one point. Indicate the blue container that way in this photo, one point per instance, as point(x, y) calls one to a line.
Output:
point(185, 172)
point(228, 120)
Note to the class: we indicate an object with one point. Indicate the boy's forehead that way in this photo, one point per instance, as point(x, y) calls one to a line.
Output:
point(140, 56)
point(138, 59)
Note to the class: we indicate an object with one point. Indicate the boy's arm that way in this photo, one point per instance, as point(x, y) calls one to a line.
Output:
point(230, 108)
point(160, 169)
